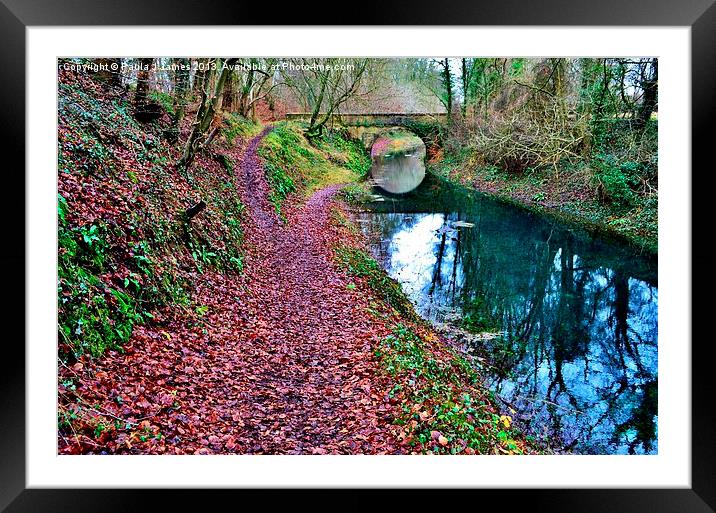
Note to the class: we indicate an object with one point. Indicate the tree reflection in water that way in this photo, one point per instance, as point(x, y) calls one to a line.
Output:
point(576, 358)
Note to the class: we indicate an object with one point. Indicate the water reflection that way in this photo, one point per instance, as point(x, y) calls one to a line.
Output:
point(398, 173)
point(575, 318)
point(398, 161)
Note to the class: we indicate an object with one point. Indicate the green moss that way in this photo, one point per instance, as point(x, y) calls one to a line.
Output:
point(238, 126)
point(164, 99)
point(293, 164)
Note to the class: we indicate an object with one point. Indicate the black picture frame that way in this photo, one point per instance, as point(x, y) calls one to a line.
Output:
point(17, 15)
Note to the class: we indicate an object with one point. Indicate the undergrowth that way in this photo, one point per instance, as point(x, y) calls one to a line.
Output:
point(356, 193)
point(237, 126)
point(612, 194)
point(444, 410)
point(125, 248)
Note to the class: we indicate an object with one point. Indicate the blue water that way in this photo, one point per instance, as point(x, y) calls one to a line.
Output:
point(562, 323)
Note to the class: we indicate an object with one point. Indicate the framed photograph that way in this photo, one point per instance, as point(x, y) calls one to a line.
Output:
point(400, 250)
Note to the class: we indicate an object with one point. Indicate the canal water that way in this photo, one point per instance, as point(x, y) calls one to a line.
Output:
point(562, 323)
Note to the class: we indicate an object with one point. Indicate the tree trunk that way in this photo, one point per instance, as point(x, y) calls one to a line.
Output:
point(465, 85)
point(199, 76)
point(649, 100)
point(210, 106)
point(447, 82)
point(141, 96)
point(245, 100)
point(195, 209)
point(314, 129)
point(228, 98)
point(181, 86)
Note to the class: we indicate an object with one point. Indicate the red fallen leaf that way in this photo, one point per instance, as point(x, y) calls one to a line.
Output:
point(166, 399)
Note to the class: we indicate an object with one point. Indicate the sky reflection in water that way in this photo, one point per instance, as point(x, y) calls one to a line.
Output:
point(577, 353)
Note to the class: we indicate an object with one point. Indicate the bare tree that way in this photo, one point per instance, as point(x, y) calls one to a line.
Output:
point(649, 78)
point(324, 85)
point(446, 77)
point(468, 70)
point(255, 84)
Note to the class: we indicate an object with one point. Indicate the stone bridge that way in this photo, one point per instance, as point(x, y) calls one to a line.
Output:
point(368, 127)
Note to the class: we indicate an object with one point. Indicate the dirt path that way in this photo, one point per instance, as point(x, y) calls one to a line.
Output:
point(281, 362)
point(314, 387)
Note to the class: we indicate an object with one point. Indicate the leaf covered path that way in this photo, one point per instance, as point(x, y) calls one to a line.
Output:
point(314, 379)
point(281, 362)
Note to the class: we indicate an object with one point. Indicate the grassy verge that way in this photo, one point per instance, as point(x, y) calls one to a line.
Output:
point(443, 407)
point(235, 126)
point(293, 165)
point(358, 263)
point(601, 195)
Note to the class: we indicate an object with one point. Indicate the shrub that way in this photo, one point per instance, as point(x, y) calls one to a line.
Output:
point(613, 181)
point(523, 139)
